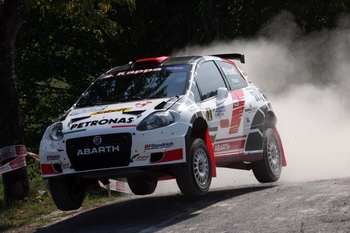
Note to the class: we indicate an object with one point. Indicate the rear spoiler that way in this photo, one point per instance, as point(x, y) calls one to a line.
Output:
point(232, 56)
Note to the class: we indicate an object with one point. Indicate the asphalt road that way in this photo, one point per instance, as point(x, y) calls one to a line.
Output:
point(317, 206)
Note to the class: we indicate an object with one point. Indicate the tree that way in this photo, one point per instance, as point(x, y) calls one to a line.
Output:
point(86, 14)
point(16, 185)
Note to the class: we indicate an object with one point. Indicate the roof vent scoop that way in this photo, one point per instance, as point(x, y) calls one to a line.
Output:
point(150, 62)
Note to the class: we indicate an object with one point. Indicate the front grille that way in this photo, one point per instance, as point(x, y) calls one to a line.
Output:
point(112, 150)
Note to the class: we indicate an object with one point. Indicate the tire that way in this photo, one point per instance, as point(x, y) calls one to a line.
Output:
point(194, 177)
point(142, 185)
point(270, 167)
point(67, 192)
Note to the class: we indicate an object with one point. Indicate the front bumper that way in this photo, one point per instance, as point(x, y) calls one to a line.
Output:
point(120, 149)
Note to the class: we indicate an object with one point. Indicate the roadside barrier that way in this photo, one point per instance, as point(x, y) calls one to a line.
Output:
point(19, 153)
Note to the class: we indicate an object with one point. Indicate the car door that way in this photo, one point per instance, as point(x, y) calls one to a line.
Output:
point(232, 133)
point(209, 79)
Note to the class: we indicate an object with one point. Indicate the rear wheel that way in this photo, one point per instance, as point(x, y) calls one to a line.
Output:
point(194, 177)
point(67, 192)
point(142, 185)
point(269, 168)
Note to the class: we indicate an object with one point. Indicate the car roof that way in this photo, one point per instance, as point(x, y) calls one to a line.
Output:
point(166, 60)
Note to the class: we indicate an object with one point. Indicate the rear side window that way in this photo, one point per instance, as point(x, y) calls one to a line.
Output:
point(209, 80)
point(232, 74)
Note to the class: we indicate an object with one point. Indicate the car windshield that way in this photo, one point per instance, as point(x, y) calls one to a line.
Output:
point(143, 84)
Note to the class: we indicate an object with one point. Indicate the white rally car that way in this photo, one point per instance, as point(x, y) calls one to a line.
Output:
point(162, 117)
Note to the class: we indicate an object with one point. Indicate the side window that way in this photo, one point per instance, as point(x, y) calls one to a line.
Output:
point(197, 97)
point(234, 77)
point(209, 80)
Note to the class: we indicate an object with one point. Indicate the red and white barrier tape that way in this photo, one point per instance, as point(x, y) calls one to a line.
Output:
point(116, 185)
point(12, 151)
point(18, 152)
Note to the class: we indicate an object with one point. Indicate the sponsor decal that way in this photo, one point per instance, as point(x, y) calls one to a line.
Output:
point(220, 111)
point(52, 157)
point(222, 147)
point(138, 71)
point(219, 114)
point(140, 105)
point(158, 146)
point(122, 120)
point(65, 166)
point(177, 68)
point(110, 111)
point(209, 114)
point(225, 123)
point(229, 71)
point(137, 158)
point(228, 146)
point(87, 110)
point(258, 95)
point(98, 150)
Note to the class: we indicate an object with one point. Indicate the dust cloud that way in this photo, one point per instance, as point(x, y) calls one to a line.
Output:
point(307, 79)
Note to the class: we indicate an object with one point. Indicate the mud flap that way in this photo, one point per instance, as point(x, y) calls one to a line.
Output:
point(284, 161)
point(211, 151)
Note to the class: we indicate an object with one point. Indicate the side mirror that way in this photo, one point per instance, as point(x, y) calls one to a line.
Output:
point(222, 95)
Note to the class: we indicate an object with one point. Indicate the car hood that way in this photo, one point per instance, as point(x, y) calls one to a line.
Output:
point(128, 114)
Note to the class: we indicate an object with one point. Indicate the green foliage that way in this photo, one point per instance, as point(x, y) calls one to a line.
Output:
point(54, 65)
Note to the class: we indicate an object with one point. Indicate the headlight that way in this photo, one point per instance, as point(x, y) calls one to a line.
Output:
point(156, 120)
point(56, 131)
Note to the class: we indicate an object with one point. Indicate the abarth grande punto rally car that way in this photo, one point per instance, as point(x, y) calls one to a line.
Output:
point(159, 118)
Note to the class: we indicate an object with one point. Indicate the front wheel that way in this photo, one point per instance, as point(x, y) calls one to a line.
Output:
point(67, 192)
point(269, 168)
point(194, 177)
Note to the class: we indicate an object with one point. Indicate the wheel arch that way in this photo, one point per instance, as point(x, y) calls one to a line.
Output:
point(199, 129)
point(264, 118)
point(270, 120)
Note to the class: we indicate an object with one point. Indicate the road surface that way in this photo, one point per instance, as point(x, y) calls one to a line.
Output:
point(317, 206)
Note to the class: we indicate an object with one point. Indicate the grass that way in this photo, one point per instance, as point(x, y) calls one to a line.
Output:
point(37, 208)
point(26, 212)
